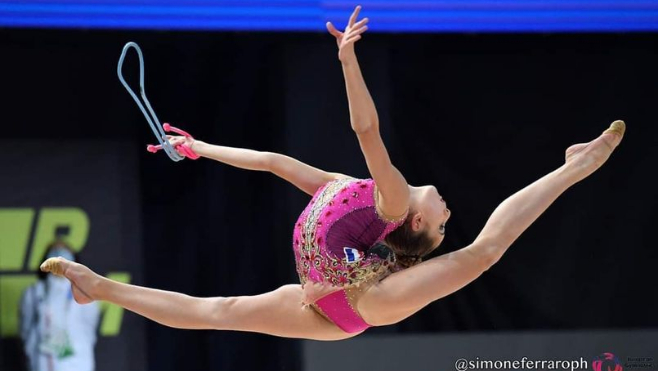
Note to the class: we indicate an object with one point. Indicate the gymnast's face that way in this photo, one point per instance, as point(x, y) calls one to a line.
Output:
point(433, 213)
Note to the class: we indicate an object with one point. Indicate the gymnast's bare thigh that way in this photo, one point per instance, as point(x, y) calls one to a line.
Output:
point(279, 313)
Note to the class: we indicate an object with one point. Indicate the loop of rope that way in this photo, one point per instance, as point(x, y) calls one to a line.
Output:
point(152, 119)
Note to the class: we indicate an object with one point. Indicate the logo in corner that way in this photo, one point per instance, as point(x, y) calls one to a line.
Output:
point(606, 362)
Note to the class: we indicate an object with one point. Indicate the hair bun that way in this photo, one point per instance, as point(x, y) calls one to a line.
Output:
point(382, 251)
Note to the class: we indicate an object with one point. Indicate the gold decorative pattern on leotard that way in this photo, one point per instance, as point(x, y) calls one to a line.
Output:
point(334, 270)
point(310, 248)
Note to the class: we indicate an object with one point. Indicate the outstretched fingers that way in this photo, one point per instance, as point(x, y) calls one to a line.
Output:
point(354, 34)
point(360, 23)
point(333, 31)
point(354, 16)
point(352, 39)
point(352, 31)
point(356, 27)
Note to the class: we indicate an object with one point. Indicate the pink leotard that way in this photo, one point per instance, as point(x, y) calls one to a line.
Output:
point(331, 241)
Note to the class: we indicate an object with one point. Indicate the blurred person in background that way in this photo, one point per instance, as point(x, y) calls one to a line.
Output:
point(57, 333)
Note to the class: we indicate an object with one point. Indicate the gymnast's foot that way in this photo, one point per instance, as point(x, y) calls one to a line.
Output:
point(586, 158)
point(83, 280)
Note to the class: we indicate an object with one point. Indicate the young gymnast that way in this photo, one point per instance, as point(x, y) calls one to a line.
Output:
point(349, 279)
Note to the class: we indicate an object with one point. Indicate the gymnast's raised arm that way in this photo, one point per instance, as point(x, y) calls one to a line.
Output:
point(393, 188)
point(303, 176)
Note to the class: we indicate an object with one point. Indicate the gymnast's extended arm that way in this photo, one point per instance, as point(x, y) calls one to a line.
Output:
point(303, 176)
point(393, 188)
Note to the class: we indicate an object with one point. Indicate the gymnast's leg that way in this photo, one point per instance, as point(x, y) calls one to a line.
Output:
point(515, 214)
point(405, 292)
point(279, 312)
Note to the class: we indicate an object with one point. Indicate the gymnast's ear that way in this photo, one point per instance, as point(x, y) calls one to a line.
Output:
point(417, 221)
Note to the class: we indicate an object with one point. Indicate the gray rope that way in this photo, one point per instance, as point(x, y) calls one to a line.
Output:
point(152, 119)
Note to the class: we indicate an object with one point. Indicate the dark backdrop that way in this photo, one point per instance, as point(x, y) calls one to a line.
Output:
point(479, 116)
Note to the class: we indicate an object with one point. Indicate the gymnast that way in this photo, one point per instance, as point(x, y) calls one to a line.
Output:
point(359, 243)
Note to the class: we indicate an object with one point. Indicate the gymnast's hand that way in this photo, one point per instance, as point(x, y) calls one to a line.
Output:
point(347, 38)
point(176, 141)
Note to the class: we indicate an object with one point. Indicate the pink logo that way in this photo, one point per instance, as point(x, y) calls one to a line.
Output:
point(606, 362)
